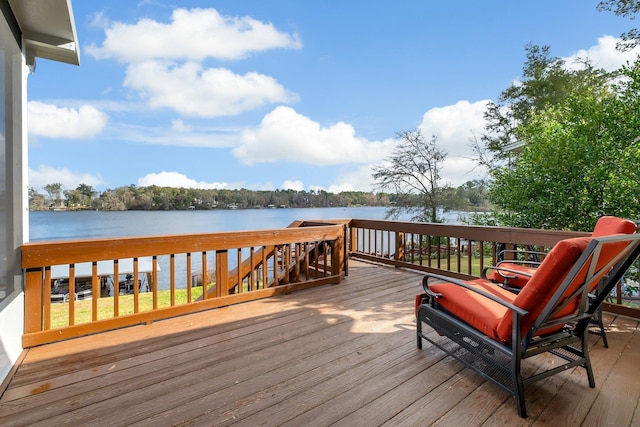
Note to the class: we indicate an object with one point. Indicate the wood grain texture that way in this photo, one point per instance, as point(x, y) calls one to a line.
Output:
point(340, 355)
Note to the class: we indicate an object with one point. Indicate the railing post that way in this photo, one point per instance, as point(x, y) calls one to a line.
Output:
point(353, 241)
point(399, 246)
point(345, 254)
point(222, 273)
point(337, 255)
point(33, 319)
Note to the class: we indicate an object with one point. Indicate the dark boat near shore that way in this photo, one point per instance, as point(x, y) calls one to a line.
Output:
point(83, 289)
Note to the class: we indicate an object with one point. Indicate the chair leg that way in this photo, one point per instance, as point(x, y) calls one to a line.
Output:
point(601, 325)
point(518, 386)
point(596, 319)
point(419, 332)
point(587, 362)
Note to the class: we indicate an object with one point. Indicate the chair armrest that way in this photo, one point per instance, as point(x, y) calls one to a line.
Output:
point(533, 264)
point(457, 282)
point(528, 255)
point(502, 270)
point(522, 251)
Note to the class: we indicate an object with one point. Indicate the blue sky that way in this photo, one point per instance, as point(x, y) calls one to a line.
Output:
point(297, 94)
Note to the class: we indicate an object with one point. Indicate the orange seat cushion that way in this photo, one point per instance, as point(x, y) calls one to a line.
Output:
point(495, 320)
point(476, 310)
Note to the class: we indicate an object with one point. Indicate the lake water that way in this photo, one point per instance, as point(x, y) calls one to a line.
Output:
point(64, 225)
point(50, 225)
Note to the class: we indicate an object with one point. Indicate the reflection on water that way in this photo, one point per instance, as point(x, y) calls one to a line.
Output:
point(51, 225)
point(65, 225)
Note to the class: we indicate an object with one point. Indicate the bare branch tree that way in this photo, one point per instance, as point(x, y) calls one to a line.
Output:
point(412, 172)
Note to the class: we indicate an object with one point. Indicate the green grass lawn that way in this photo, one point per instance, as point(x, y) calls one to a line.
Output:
point(464, 263)
point(60, 311)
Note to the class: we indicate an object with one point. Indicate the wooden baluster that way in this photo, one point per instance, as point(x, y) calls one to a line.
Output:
point(172, 279)
point(72, 301)
point(189, 278)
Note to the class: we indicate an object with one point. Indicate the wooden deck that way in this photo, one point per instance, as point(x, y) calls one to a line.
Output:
point(334, 355)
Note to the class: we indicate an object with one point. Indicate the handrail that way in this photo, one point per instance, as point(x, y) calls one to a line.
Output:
point(242, 266)
point(438, 248)
point(224, 282)
point(454, 250)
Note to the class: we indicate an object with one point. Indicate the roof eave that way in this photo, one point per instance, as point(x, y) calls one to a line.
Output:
point(48, 29)
point(53, 48)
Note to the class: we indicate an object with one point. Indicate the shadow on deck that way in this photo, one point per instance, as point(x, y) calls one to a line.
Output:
point(333, 355)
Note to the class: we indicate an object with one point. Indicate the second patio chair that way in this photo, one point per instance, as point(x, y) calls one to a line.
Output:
point(492, 330)
point(514, 274)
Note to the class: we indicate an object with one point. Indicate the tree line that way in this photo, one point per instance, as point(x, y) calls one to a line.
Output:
point(561, 146)
point(469, 196)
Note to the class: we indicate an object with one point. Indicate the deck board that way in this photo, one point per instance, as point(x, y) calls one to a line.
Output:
point(340, 355)
point(607, 410)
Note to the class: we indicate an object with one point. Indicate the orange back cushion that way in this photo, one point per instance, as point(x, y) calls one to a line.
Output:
point(541, 287)
point(608, 225)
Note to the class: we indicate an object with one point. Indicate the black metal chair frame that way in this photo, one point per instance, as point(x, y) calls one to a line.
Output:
point(509, 273)
point(502, 364)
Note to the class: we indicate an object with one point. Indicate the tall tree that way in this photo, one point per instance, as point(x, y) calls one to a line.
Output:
point(412, 172)
point(87, 193)
point(36, 200)
point(545, 81)
point(54, 191)
point(580, 159)
point(109, 201)
point(626, 9)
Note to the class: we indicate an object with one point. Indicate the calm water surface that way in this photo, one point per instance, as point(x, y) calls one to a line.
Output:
point(49, 225)
point(65, 225)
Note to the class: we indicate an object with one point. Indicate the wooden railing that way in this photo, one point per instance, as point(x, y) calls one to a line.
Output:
point(204, 271)
point(460, 251)
point(234, 267)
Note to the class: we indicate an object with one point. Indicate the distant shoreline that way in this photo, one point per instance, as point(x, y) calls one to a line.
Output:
point(218, 208)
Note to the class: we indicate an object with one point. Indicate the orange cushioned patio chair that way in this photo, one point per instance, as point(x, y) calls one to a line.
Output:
point(514, 274)
point(492, 330)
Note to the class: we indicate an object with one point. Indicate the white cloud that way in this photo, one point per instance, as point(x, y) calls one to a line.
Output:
point(352, 179)
point(99, 21)
point(176, 135)
point(179, 126)
point(56, 122)
point(44, 175)
point(602, 55)
point(193, 90)
point(193, 34)
point(296, 185)
point(260, 186)
point(457, 170)
point(177, 180)
point(454, 127)
point(285, 135)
